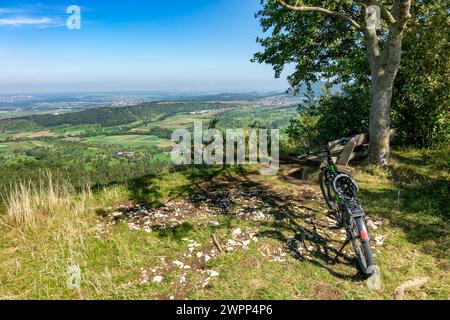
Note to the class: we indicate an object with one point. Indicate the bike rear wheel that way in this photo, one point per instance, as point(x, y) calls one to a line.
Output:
point(328, 193)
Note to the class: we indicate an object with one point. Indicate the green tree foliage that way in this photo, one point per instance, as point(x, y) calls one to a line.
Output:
point(78, 164)
point(318, 46)
point(420, 108)
point(343, 114)
point(421, 97)
point(328, 117)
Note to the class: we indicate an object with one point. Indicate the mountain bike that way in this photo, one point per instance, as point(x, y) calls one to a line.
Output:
point(340, 193)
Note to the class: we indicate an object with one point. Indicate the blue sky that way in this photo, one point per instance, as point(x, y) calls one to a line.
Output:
point(180, 45)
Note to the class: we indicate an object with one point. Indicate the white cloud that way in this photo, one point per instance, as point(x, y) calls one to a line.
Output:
point(21, 21)
point(10, 10)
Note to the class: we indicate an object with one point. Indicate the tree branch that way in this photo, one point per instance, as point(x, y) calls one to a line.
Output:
point(355, 24)
point(386, 15)
point(373, 49)
point(402, 10)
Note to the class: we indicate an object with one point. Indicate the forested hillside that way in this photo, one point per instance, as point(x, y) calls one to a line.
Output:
point(110, 116)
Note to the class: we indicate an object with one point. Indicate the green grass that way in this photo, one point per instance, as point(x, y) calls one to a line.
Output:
point(127, 140)
point(414, 197)
point(180, 121)
point(73, 130)
point(4, 135)
point(411, 200)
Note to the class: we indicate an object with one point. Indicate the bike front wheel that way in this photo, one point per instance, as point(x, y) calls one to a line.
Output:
point(361, 244)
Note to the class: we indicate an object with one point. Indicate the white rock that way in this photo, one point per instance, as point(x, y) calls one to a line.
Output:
point(237, 232)
point(193, 245)
point(158, 279)
point(205, 283)
point(213, 273)
point(379, 240)
point(148, 229)
point(372, 225)
point(179, 264)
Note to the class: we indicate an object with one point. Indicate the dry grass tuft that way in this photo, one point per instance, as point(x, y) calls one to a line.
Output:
point(28, 203)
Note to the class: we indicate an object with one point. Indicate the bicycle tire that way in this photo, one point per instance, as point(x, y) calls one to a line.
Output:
point(327, 192)
point(363, 251)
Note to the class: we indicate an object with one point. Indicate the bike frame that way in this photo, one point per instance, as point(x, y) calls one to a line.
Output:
point(349, 212)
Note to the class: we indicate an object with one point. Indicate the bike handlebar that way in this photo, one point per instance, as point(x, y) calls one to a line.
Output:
point(342, 142)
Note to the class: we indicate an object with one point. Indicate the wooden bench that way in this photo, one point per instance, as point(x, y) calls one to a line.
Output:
point(357, 147)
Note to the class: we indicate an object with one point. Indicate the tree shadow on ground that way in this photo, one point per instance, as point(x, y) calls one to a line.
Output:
point(147, 189)
point(176, 232)
point(224, 191)
point(321, 254)
point(143, 189)
point(423, 203)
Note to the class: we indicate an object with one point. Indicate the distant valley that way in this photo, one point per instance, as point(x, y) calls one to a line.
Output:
point(103, 142)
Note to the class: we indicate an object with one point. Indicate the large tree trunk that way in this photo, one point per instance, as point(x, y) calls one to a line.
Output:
point(379, 125)
point(384, 68)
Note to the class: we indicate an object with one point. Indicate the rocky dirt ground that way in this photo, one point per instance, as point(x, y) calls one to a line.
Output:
point(283, 208)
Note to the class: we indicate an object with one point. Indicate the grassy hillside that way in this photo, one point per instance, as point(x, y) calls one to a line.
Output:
point(226, 234)
point(109, 116)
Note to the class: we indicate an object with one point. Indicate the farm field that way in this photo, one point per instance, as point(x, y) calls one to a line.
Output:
point(3, 135)
point(17, 150)
point(130, 140)
point(180, 121)
point(32, 135)
point(16, 114)
point(21, 145)
point(74, 130)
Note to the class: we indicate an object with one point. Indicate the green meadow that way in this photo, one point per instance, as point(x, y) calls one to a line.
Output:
point(129, 140)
